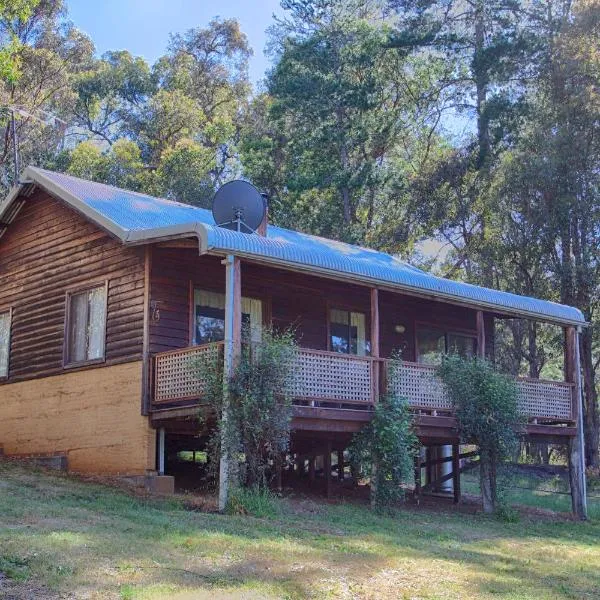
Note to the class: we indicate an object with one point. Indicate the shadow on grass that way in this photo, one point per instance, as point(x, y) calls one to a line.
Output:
point(72, 533)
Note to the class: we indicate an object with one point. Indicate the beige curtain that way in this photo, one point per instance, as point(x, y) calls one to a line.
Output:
point(358, 320)
point(253, 307)
point(210, 299)
point(78, 327)
point(4, 343)
point(97, 323)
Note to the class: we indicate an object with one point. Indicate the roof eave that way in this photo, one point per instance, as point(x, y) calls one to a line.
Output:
point(391, 286)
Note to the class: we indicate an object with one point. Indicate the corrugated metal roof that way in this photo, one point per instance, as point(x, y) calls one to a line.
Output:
point(138, 217)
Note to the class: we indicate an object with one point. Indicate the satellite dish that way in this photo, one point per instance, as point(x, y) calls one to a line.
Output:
point(239, 206)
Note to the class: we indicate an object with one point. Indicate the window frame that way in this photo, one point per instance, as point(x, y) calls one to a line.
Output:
point(420, 325)
point(67, 362)
point(349, 310)
point(194, 285)
point(9, 311)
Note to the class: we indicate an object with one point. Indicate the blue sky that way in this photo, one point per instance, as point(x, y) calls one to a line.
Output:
point(143, 26)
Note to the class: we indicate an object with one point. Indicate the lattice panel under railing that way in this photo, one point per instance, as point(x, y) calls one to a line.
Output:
point(175, 377)
point(419, 385)
point(331, 376)
point(545, 399)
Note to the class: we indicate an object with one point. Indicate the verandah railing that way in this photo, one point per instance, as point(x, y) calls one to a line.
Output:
point(538, 398)
point(326, 378)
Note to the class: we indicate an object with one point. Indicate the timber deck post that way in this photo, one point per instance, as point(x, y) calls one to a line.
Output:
point(327, 469)
point(576, 443)
point(340, 455)
point(233, 345)
point(311, 468)
point(375, 342)
point(456, 472)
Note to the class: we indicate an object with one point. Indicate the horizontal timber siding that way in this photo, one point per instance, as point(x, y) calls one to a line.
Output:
point(47, 250)
point(294, 300)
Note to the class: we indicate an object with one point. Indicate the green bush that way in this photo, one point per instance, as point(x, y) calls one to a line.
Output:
point(486, 407)
point(384, 451)
point(253, 427)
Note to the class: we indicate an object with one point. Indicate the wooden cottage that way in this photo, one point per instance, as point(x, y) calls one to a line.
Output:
point(106, 295)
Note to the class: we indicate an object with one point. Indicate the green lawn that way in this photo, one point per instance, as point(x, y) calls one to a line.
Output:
point(60, 537)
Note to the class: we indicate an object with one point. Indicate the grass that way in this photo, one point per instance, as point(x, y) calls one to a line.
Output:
point(63, 537)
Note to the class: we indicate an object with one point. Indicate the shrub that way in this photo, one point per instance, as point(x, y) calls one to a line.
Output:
point(254, 430)
point(486, 407)
point(384, 451)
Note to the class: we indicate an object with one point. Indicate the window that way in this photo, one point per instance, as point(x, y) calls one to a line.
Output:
point(347, 332)
point(463, 345)
point(86, 325)
point(433, 343)
point(209, 317)
point(431, 346)
point(5, 322)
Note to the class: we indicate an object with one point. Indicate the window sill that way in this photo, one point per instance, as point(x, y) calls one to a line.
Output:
point(84, 363)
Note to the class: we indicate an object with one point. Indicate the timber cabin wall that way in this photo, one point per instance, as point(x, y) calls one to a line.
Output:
point(47, 250)
point(292, 299)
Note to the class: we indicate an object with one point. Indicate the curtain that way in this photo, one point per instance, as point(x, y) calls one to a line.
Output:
point(210, 299)
point(96, 323)
point(253, 307)
point(78, 327)
point(4, 343)
point(339, 316)
point(358, 320)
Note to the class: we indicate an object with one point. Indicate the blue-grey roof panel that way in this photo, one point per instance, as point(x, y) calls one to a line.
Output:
point(134, 212)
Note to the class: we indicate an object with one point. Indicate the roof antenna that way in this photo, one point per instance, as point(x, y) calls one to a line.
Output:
point(39, 115)
point(15, 141)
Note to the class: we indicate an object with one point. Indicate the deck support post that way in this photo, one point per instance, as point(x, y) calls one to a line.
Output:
point(279, 471)
point(311, 468)
point(299, 465)
point(418, 482)
point(576, 444)
point(340, 455)
point(327, 468)
point(233, 345)
point(377, 391)
point(375, 343)
point(480, 334)
point(456, 472)
point(161, 451)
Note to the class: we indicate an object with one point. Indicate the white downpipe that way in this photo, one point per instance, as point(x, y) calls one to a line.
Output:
point(446, 468)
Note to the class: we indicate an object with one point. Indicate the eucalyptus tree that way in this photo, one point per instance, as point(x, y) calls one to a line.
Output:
point(552, 179)
point(210, 67)
point(341, 108)
point(47, 52)
point(112, 95)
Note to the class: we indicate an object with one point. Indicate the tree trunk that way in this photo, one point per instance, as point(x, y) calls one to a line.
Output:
point(577, 479)
point(591, 418)
point(487, 482)
point(481, 84)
